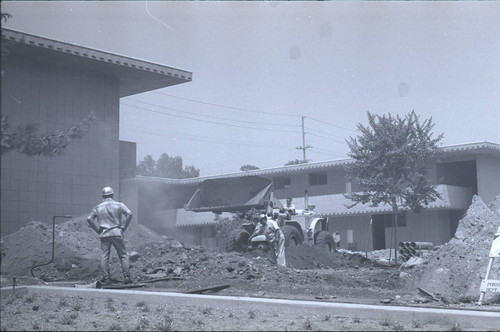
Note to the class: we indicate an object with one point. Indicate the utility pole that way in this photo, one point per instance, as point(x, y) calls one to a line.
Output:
point(304, 147)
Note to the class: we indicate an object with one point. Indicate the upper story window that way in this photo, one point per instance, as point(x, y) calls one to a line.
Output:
point(316, 179)
point(282, 182)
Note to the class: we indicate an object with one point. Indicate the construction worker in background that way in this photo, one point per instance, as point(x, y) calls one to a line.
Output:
point(289, 208)
point(110, 228)
point(274, 235)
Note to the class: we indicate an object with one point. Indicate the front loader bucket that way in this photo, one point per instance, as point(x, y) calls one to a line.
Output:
point(231, 194)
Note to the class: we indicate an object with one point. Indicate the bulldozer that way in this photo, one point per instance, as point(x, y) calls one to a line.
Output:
point(242, 194)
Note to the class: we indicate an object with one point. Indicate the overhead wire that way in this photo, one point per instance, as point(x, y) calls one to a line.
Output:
point(207, 121)
point(316, 135)
point(312, 133)
point(174, 135)
point(330, 124)
point(225, 106)
point(211, 116)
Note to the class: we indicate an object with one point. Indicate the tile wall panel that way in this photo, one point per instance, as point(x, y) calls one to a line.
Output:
point(37, 188)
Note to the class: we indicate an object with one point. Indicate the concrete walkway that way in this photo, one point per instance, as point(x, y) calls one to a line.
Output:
point(480, 319)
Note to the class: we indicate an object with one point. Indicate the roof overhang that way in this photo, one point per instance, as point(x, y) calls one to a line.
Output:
point(452, 198)
point(466, 151)
point(134, 75)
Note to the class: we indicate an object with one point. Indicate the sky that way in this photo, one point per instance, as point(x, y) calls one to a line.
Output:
point(260, 68)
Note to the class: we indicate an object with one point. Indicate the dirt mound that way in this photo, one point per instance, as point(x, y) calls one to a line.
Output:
point(77, 256)
point(307, 257)
point(76, 250)
point(455, 270)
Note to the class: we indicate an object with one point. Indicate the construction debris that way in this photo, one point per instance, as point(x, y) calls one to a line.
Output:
point(208, 289)
point(454, 271)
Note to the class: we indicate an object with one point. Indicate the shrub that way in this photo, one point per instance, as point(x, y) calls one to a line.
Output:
point(67, 319)
point(251, 314)
point(165, 324)
point(142, 325)
point(307, 325)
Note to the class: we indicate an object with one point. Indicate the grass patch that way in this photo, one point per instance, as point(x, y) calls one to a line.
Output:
point(29, 299)
point(68, 319)
point(62, 303)
point(165, 324)
point(140, 304)
point(207, 311)
point(307, 325)
point(396, 326)
point(77, 307)
point(251, 314)
point(327, 318)
point(114, 327)
point(357, 320)
point(111, 307)
point(455, 327)
point(142, 325)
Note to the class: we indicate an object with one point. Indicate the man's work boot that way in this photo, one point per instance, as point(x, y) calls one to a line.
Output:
point(127, 279)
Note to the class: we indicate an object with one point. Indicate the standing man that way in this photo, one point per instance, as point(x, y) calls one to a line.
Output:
point(110, 229)
point(289, 208)
point(274, 235)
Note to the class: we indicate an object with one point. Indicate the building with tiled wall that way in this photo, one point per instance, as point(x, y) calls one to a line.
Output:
point(56, 85)
point(463, 171)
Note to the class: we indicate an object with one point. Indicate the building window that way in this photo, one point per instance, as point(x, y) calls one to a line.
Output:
point(316, 179)
point(389, 218)
point(282, 182)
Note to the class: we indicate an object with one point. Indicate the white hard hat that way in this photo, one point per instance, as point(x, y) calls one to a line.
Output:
point(262, 216)
point(107, 191)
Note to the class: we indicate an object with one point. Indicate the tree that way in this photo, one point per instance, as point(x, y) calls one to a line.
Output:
point(245, 168)
point(26, 140)
point(392, 157)
point(166, 167)
point(296, 162)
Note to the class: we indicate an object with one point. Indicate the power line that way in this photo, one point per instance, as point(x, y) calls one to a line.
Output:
point(326, 133)
point(324, 122)
point(228, 107)
point(316, 135)
point(213, 122)
point(211, 116)
point(202, 138)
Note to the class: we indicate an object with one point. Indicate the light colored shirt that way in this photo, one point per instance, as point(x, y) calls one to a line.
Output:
point(109, 217)
point(290, 208)
point(271, 229)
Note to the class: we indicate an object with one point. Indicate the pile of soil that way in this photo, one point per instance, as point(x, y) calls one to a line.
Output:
point(454, 271)
point(76, 249)
point(77, 256)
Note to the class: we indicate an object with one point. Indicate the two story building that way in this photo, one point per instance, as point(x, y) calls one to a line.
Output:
point(464, 170)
